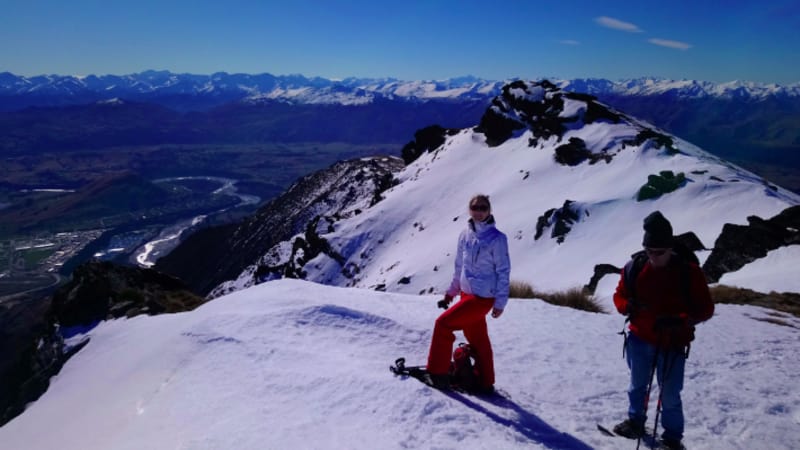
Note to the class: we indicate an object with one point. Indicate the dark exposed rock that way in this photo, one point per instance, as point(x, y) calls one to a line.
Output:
point(497, 125)
point(690, 241)
point(425, 140)
point(102, 290)
point(739, 245)
point(536, 106)
point(304, 249)
point(539, 108)
point(560, 220)
point(658, 185)
point(596, 112)
point(660, 140)
point(601, 270)
point(22, 324)
point(572, 153)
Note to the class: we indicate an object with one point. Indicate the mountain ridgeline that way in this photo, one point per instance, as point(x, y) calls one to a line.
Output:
point(753, 125)
point(568, 175)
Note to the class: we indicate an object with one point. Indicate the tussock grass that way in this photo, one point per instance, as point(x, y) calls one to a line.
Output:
point(576, 298)
point(787, 302)
point(520, 289)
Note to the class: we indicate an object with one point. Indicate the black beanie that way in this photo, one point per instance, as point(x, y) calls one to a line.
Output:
point(657, 231)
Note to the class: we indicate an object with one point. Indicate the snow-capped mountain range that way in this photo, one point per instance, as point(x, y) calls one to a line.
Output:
point(150, 85)
point(570, 181)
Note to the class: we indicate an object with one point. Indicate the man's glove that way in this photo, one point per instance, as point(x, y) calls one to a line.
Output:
point(445, 302)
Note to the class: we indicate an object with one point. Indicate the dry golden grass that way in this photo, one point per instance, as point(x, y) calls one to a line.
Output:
point(787, 302)
point(520, 289)
point(575, 298)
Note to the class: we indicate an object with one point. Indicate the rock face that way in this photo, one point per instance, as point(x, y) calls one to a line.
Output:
point(102, 290)
point(31, 341)
point(24, 328)
point(540, 107)
point(560, 220)
point(738, 245)
point(425, 140)
point(663, 183)
point(212, 256)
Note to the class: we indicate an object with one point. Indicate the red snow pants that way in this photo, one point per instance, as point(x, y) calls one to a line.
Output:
point(469, 314)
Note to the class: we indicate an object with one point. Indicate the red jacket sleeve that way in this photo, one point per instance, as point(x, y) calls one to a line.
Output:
point(702, 305)
point(621, 295)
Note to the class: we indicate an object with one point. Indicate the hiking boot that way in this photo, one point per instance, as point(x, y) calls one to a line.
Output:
point(670, 444)
point(438, 381)
point(629, 429)
point(485, 390)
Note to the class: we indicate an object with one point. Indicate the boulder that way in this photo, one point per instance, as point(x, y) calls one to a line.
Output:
point(739, 245)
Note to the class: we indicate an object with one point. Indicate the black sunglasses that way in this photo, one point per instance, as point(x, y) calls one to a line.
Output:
point(482, 208)
point(653, 252)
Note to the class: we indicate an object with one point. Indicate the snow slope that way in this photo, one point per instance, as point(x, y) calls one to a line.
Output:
point(292, 364)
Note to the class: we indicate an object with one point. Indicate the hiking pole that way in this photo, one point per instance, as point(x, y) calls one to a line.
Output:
point(664, 375)
point(649, 388)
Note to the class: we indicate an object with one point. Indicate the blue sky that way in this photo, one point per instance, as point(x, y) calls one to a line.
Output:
point(410, 40)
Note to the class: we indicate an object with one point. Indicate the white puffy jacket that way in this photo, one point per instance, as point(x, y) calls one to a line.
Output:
point(482, 265)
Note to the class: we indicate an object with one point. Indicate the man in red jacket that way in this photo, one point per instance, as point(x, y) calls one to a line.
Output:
point(664, 299)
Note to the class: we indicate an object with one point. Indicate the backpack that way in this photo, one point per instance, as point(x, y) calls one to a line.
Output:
point(682, 254)
point(463, 372)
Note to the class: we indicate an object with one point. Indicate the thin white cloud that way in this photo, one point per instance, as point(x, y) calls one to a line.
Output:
point(569, 42)
point(616, 24)
point(671, 44)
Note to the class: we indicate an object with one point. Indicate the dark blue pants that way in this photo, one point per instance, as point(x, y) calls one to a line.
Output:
point(669, 373)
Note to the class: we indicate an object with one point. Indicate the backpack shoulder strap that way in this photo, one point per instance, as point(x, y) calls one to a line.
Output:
point(632, 270)
point(686, 282)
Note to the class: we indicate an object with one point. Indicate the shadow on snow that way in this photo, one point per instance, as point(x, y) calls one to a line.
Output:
point(526, 423)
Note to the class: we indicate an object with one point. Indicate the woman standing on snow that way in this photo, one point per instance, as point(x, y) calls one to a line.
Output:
point(481, 277)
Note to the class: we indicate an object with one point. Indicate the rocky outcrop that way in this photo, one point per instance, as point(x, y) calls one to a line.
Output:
point(575, 152)
point(739, 245)
point(560, 220)
point(658, 139)
point(538, 106)
point(304, 249)
point(425, 140)
point(663, 183)
point(102, 290)
point(601, 270)
point(23, 325)
point(546, 111)
point(523, 105)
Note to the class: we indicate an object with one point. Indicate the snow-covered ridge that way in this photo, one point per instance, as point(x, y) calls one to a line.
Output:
point(292, 364)
point(297, 88)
